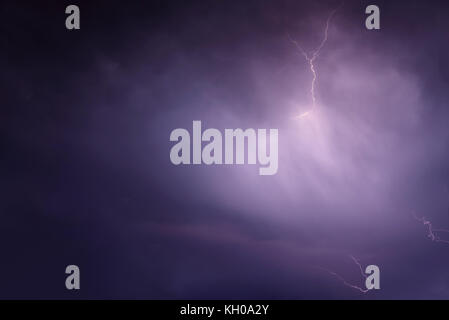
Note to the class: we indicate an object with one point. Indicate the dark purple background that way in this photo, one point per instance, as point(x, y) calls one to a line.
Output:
point(86, 177)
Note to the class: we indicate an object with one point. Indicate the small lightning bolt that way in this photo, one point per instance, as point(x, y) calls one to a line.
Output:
point(310, 58)
point(345, 282)
point(432, 233)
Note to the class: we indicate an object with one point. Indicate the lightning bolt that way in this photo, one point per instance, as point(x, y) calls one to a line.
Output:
point(310, 58)
point(345, 282)
point(432, 233)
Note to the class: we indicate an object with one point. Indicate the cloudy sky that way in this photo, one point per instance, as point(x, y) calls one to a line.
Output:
point(86, 177)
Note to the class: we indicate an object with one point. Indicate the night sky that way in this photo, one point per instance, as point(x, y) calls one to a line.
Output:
point(85, 171)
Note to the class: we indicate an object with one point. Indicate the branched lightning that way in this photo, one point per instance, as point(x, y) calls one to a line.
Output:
point(432, 233)
point(359, 265)
point(345, 282)
point(310, 58)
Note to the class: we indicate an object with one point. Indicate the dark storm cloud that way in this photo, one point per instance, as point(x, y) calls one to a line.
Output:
point(86, 176)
